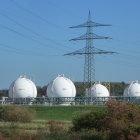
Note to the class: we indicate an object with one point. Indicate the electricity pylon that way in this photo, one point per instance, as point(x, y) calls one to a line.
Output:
point(89, 51)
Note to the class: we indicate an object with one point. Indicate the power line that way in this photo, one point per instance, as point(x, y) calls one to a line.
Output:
point(8, 48)
point(63, 9)
point(41, 18)
point(122, 62)
point(129, 43)
point(30, 38)
point(125, 50)
point(38, 16)
point(33, 32)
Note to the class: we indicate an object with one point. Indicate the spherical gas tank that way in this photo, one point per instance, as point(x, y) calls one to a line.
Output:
point(98, 90)
point(22, 88)
point(61, 87)
point(132, 89)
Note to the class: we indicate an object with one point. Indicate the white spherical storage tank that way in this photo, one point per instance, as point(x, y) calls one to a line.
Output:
point(61, 87)
point(22, 88)
point(98, 90)
point(133, 89)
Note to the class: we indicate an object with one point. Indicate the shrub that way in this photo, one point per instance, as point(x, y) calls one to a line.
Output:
point(14, 113)
point(91, 135)
point(66, 135)
point(89, 120)
point(55, 126)
point(128, 112)
point(120, 120)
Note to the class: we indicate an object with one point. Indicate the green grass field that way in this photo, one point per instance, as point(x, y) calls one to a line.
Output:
point(63, 113)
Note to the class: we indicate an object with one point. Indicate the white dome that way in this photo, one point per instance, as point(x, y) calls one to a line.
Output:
point(61, 87)
point(98, 90)
point(22, 88)
point(132, 89)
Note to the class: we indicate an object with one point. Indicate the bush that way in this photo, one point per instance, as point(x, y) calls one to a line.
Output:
point(90, 135)
point(120, 120)
point(89, 120)
point(66, 135)
point(55, 126)
point(14, 113)
point(128, 112)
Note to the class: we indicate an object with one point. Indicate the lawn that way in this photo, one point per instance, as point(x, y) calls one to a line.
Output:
point(63, 113)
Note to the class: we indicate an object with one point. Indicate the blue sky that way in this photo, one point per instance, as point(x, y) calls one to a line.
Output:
point(34, 35)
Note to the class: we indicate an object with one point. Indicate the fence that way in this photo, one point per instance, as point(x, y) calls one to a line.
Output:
point(67, 100)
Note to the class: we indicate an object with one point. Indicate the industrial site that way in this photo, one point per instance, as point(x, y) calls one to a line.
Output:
point(65, 76)
point(62, 91)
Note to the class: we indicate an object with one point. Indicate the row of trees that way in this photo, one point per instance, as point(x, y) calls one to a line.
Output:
point(115, 89)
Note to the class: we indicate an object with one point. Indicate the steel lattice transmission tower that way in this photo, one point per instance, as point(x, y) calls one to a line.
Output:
point(89, 51)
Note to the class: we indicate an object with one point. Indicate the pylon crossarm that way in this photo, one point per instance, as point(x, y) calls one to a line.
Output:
point(90, 24)
point(89, 36)
point(83, 52)
point(98, 24)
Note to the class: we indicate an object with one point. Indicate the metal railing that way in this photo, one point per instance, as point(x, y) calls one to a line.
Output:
point(67, 100)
